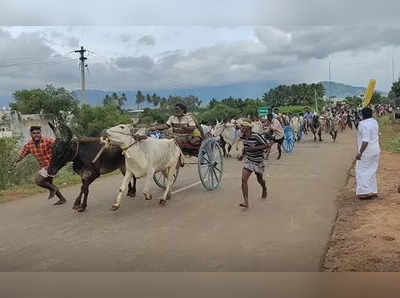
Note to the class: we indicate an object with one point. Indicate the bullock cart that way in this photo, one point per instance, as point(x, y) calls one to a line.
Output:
point(210, 162)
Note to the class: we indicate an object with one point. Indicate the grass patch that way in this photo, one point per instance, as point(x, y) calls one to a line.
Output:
point(393, 145)
point(17, 181)
point(65, 178)
point(390, 135)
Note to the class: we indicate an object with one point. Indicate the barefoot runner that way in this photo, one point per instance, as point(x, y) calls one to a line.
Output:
point(253, 155)
point(276, 129)
point(40, 147)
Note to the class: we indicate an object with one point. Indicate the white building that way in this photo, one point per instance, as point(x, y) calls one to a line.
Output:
point(14, 124)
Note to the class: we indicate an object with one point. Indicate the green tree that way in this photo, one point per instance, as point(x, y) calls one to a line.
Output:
point(149, 99)
point(219, 112)
point(122, 100)
point(155, 100)
point(57, 102)
point(163, 103)
point(90, 121)
point(107, 100)
point(354, 102)
point(395, 90)
point(377, 98)
point(294, 110)
point(212, 103)
point(115, 99)
point(300, 94)
point(149, 116)
point(139, 98)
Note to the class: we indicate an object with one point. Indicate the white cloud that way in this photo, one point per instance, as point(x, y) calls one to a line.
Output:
point(186, 57)
point(194, 12)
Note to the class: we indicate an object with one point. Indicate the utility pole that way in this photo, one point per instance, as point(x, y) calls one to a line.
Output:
point(329, 88)
point(392, 67)
point(82, 58)
point(315, 98)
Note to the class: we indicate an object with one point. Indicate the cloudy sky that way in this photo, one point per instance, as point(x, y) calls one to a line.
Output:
point(140, 47)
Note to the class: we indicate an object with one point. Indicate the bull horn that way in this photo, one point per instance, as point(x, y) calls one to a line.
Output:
point(55, 131)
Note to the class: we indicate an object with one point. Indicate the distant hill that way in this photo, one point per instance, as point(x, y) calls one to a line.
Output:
point(342, 90)
point(205, 94)
point(240, 90)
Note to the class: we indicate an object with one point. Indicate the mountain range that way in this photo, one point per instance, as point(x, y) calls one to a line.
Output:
point(205, 94)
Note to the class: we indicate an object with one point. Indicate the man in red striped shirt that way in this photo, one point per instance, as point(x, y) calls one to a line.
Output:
point(40, 147)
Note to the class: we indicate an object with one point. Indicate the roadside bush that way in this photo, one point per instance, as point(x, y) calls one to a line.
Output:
point(10, 175)
point(23, 174)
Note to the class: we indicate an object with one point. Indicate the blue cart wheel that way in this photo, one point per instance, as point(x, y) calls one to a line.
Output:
point(211, 164)
point(290, 139)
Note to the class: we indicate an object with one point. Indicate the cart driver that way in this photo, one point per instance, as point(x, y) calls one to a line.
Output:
point(183, 127)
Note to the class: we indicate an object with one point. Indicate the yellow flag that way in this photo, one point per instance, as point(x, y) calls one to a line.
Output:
point(369, 92)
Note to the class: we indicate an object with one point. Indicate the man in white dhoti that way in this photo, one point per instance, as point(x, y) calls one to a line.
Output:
point(368, 156)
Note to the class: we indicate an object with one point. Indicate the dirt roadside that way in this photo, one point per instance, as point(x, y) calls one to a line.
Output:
point(366, 234)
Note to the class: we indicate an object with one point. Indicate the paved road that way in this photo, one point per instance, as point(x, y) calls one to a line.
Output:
point(197, 231)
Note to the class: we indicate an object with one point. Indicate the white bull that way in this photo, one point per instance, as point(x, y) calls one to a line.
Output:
point(295, 124)
point(228, 133)
point(257, 127)
point(145, 157)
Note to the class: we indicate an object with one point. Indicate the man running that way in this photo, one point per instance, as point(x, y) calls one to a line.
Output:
point(40, 147)
point(253, 155)
point(276, 130)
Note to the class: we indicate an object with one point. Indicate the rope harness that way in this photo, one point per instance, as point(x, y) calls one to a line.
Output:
point(124, 150)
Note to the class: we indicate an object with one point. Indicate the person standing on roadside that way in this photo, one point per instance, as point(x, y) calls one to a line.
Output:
point(367, 158)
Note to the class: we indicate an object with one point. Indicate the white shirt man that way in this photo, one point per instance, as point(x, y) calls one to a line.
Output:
point(368, 156)
point(295, 123)
point(277, 130)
